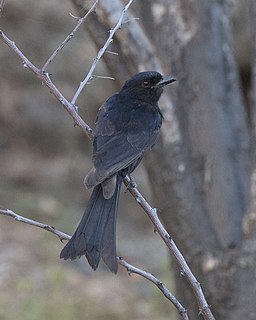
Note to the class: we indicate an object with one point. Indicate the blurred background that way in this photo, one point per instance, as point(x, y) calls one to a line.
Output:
point(44, 158)
point(43, 161)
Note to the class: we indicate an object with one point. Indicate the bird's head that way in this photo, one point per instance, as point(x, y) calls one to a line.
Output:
point(147, 85)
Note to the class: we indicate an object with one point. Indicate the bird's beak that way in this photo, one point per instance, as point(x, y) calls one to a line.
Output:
point(164, 81)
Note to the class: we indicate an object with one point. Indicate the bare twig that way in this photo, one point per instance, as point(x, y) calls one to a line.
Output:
point(45, 78)
point(69, 37)
point(59, 234)
point(130, 268)
point(100, 53)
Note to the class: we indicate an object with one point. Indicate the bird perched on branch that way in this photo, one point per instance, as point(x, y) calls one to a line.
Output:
point(127, 126)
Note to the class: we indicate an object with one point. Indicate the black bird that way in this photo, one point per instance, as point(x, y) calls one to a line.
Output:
point(127, 125)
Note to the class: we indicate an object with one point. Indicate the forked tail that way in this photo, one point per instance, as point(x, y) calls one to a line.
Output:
point(95, 236)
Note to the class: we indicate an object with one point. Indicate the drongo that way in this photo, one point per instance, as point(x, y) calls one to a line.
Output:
point(127, 126)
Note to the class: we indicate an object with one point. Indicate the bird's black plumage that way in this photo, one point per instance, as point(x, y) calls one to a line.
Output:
point(127, 125)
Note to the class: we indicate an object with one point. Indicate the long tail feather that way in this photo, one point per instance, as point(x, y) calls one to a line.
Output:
point(95, 236)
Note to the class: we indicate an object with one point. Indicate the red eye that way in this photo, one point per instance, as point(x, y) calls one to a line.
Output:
point(145, 83)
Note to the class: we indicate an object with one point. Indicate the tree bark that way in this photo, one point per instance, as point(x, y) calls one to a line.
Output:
point(201, 170)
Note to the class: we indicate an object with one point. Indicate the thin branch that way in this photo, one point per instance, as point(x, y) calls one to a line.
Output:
point(45, 78)
point(130, 268)
point(100, 53)
point(149, 276)
point(61, 235)
point(69, 37)
point(204, 308)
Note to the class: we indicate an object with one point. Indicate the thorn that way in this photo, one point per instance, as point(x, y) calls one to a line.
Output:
point(73, 16)
point(154, 210)
point(168, 237)
point(183, 313)
point(112, 52)
point(46, 74)
point(138, 199)
point(129, 20)
point(103, 77)
point(132, 183)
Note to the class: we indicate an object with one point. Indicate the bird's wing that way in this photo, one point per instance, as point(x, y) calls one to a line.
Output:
point(123, 135)
point(144, 126)
point(114, 153)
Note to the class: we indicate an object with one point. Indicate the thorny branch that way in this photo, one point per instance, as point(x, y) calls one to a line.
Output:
point(100, 53)
point(69, 37)
point(204, 308)
point(61, 235)
point(45, 78)
point(130, 268)
point(152, 213)
point(149, 276)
